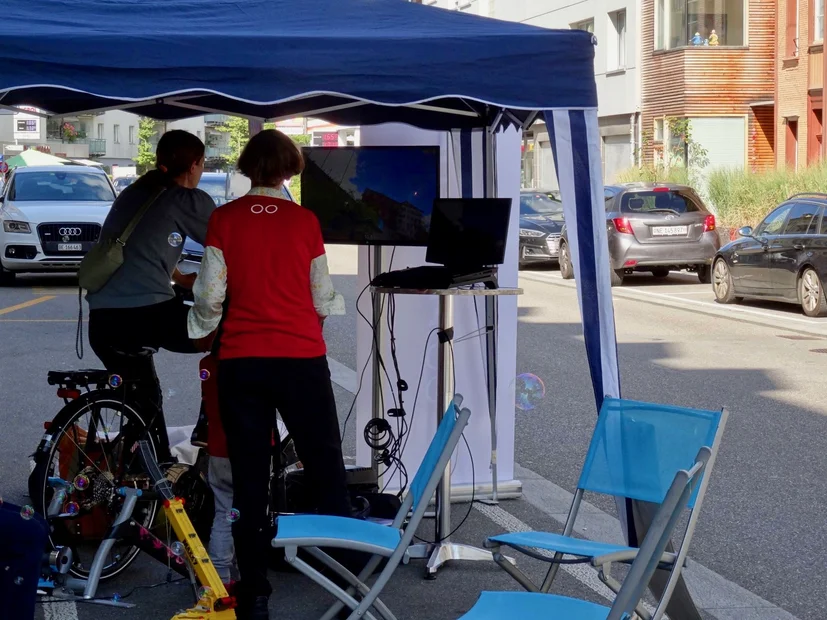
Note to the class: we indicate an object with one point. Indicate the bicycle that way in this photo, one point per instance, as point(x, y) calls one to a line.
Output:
point(89, 451)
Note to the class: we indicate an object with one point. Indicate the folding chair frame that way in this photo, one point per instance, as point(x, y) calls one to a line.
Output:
point(360, 597)
point(539, 605)
point(668, 561)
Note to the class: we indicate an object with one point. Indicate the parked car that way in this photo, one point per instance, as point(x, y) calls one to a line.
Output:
point(783, 259)
point(656, 228)
point(51, 216)
point(121, 183)
point(541, 221)
point(193, 252)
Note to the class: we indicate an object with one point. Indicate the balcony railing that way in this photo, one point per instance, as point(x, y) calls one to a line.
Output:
point(816, 69)
point(97, 146)
point(214, 152)
point(216, 119)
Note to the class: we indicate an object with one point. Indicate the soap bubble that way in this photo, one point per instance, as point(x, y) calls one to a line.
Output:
point(204, 374)
point(81, 482)
point(72, 508)
point(234, 515)
point(27, 512)
point(175, 239)
point(203, 592)
point(529, 390)
point(115, 380)
point(177, 548)
point(18, 581)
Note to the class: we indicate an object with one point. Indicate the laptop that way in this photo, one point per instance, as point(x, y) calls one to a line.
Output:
point(466, 241)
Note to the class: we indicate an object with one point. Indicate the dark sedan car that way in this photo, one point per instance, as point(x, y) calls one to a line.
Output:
point(783, 259)
point(541, 221)
point(654, 227)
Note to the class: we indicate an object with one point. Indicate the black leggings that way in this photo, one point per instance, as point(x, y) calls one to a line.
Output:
point(119, 335)
point(250, 390)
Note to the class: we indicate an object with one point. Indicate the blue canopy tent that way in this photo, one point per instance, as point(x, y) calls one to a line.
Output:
point(352, 62)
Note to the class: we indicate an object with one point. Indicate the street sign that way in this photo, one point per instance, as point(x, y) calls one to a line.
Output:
point(4, 167)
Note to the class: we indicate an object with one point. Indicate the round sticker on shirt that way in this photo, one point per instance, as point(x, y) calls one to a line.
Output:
point(270, 209)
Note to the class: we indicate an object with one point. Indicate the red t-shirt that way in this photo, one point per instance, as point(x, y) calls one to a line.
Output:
point(268, 246)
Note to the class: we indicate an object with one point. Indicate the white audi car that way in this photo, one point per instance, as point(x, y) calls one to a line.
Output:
point(51, 216)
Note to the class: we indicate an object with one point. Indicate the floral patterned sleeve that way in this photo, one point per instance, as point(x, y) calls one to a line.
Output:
point(209, 291)
point(325, 299)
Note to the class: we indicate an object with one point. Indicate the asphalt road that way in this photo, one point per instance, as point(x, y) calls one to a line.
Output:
point(762, 526)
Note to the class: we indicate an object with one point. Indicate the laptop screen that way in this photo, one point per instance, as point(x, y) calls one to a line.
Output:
point(468, 233)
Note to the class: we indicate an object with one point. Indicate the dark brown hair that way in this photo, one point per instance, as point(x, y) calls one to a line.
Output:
point(177, 151)
point(270, 157)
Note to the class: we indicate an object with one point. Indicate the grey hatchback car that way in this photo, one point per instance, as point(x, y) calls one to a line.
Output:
point(656, 228)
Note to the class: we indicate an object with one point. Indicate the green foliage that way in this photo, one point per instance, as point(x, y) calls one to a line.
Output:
point(147, 130)
point(743, 199)
point(295, 184)
point(683, 160)
point(239, 132)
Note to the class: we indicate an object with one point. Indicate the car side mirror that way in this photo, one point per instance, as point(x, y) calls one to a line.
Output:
point(745, 231)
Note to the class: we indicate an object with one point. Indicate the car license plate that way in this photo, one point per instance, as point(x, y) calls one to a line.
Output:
point(69, 247)
point(668, 231)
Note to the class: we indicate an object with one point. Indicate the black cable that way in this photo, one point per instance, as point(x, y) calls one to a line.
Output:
point(79, 332)
point(419, 383)
point(361, 376)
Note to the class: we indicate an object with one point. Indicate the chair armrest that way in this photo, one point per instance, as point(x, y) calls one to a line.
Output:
point(627, 555)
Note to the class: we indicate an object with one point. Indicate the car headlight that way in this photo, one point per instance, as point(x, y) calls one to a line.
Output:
point(528, 232)
point(11, 226)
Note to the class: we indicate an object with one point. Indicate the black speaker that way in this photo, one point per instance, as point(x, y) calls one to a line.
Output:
point(22, 541)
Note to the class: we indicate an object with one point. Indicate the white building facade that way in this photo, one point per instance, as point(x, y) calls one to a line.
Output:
point(616, 25)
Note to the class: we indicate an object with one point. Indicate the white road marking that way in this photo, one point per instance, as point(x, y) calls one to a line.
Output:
point(723, 599)
point(59, 610)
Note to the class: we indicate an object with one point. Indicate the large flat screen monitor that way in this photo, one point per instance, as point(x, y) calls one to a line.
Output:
point(469, 233)
point(372, 195)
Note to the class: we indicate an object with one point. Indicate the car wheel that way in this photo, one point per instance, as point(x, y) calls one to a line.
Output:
point(6, 277)
point(811, 294)
point(616, 276)
point(705, 274)
point(661, 272)
point(566, 270)
point(722, 284)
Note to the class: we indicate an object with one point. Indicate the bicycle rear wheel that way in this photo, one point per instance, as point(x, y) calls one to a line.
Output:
point(90, 444)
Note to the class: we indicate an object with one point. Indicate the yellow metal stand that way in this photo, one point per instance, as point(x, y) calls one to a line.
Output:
point(215, 602)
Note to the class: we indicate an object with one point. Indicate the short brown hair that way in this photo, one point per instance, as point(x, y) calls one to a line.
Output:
point(177, 151)
point(270, 157)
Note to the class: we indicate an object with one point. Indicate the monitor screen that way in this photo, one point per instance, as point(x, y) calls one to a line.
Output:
point(372, 195)
point(469, 233)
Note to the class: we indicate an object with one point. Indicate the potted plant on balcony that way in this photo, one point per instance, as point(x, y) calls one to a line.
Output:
point(70, 134)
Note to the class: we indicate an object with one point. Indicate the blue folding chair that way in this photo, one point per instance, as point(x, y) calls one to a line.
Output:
point(542, 606)
point(311, 532)
point(635, 450)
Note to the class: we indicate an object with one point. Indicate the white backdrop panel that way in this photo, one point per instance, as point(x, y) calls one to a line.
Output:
point(416, 316)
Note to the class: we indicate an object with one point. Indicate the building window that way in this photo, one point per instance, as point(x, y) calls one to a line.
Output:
point(100, 131)
point(132, 134)
point(791, 143)
point(818, 21)
point(791, 31)
point(658, 137)
point(617, 46)
point(707, 23)
point(586, 24)
point(27, 125)
point(116, 134)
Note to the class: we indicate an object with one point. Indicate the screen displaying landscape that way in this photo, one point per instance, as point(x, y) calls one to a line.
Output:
point(372, 195)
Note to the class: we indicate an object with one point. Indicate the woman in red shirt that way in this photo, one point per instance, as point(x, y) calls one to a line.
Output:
point(265, 256)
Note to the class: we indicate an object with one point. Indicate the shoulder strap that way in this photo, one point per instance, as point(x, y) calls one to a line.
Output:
point(130, 228)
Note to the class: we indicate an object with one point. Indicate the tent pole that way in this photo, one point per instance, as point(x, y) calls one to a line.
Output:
point(491, 307)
